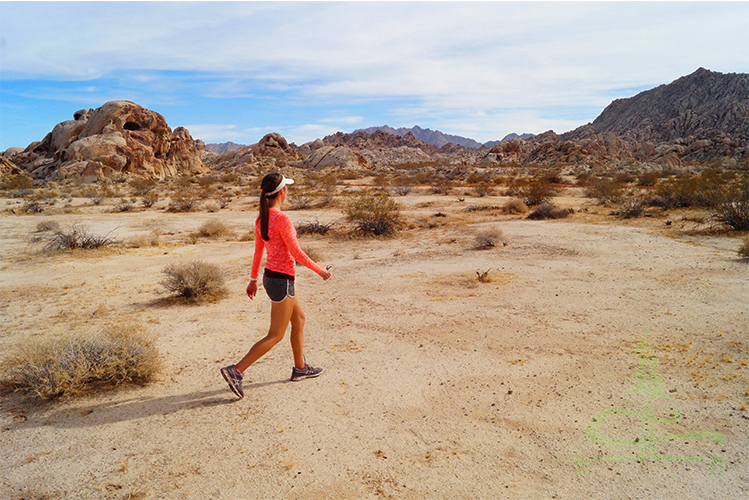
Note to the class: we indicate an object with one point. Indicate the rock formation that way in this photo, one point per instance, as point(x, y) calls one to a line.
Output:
point(120, 136)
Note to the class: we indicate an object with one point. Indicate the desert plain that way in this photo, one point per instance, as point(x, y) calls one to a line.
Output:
point(600, 359)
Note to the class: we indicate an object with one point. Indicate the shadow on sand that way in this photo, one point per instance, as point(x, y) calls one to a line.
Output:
point(109, 412)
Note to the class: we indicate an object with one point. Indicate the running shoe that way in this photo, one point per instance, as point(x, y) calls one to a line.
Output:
point(234, 379)
point(306, 372)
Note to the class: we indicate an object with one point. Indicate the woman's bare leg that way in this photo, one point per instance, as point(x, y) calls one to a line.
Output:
point(280, 315)
point(297, 333)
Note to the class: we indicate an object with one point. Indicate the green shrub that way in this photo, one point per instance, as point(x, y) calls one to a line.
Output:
point(533, 193)
point(732, 207)
point(374, 214)
point(53, 367)
point(195, 281)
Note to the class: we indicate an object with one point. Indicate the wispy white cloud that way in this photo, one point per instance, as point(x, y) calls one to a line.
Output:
point(448, 61)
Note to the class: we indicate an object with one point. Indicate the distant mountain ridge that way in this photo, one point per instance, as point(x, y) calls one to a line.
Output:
point(438, 138)
point(223, 146)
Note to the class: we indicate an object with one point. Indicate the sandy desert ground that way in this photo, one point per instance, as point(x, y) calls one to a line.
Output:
point(435, 385)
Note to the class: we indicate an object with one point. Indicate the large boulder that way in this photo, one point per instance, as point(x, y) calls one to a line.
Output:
point(120, 136)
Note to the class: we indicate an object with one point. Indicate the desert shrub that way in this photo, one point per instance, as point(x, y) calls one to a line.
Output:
point(213, 228)
point(548, 211)
point(53, 367)
point(743, 250)
point(143, 240)
point(515, 206)
point(47, 225)
point(604, 190)
point(624, 178)
point(484, 189)
point(32, 206)
point(97, 194)
point(184, 201)
point(403, 189)
point(195, 281)
point(442, 185)
point(123, 205)
point(534, 193)
point(300, 202)
point(374, 214)
point(149, 199)
point(20, 182)
point(316, 227)
point(487, 238)
point(732, 207)
point(648, 179)
point(551, 176)
point(142, 186)
point(631, 205)
point(77, 237)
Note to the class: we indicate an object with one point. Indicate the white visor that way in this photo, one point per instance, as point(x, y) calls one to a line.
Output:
point(284, 182)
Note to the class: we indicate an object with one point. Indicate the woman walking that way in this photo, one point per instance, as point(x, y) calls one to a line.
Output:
point(275, 234)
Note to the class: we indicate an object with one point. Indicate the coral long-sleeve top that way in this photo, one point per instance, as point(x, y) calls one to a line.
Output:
point(282, 246)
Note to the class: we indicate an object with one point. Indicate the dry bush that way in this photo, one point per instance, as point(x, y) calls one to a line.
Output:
point(631, 205)
point(732, 207)
point(184, 201)
point(17, 182)
point(483, 276)
point(53, 367)
point(515, 206)
point(47, 225)
point(142, 186)
point(123, 205)
point(548, 211)
point(149, 199)
point(32, 206)
point(195, 281)
point(604, 190)
point(78, 237)
point(315, 227)
point(534, 193)
point(488, 238)
point(144, 240)
point(213, 228)
point(743, 250)
point(374, 214)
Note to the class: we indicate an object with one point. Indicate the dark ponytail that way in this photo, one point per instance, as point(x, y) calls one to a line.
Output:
point(269, 184)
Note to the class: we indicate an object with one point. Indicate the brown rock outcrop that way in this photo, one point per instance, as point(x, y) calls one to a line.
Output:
point(120, 136)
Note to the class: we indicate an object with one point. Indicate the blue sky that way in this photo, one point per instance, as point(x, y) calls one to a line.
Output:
point(234, 71)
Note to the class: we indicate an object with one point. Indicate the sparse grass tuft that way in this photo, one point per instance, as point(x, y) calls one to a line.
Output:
point(78, 237)
point(213, 228)
point(315, 227)
point(483, 276)
point(744, 248)
point(195, 281)
point(54, 367)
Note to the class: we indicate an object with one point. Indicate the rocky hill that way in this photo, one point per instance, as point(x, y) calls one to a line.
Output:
point(118, 137)
point(698, 117)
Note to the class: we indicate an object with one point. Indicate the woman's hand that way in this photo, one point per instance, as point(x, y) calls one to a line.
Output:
point(324, 274)
point(252, 289)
